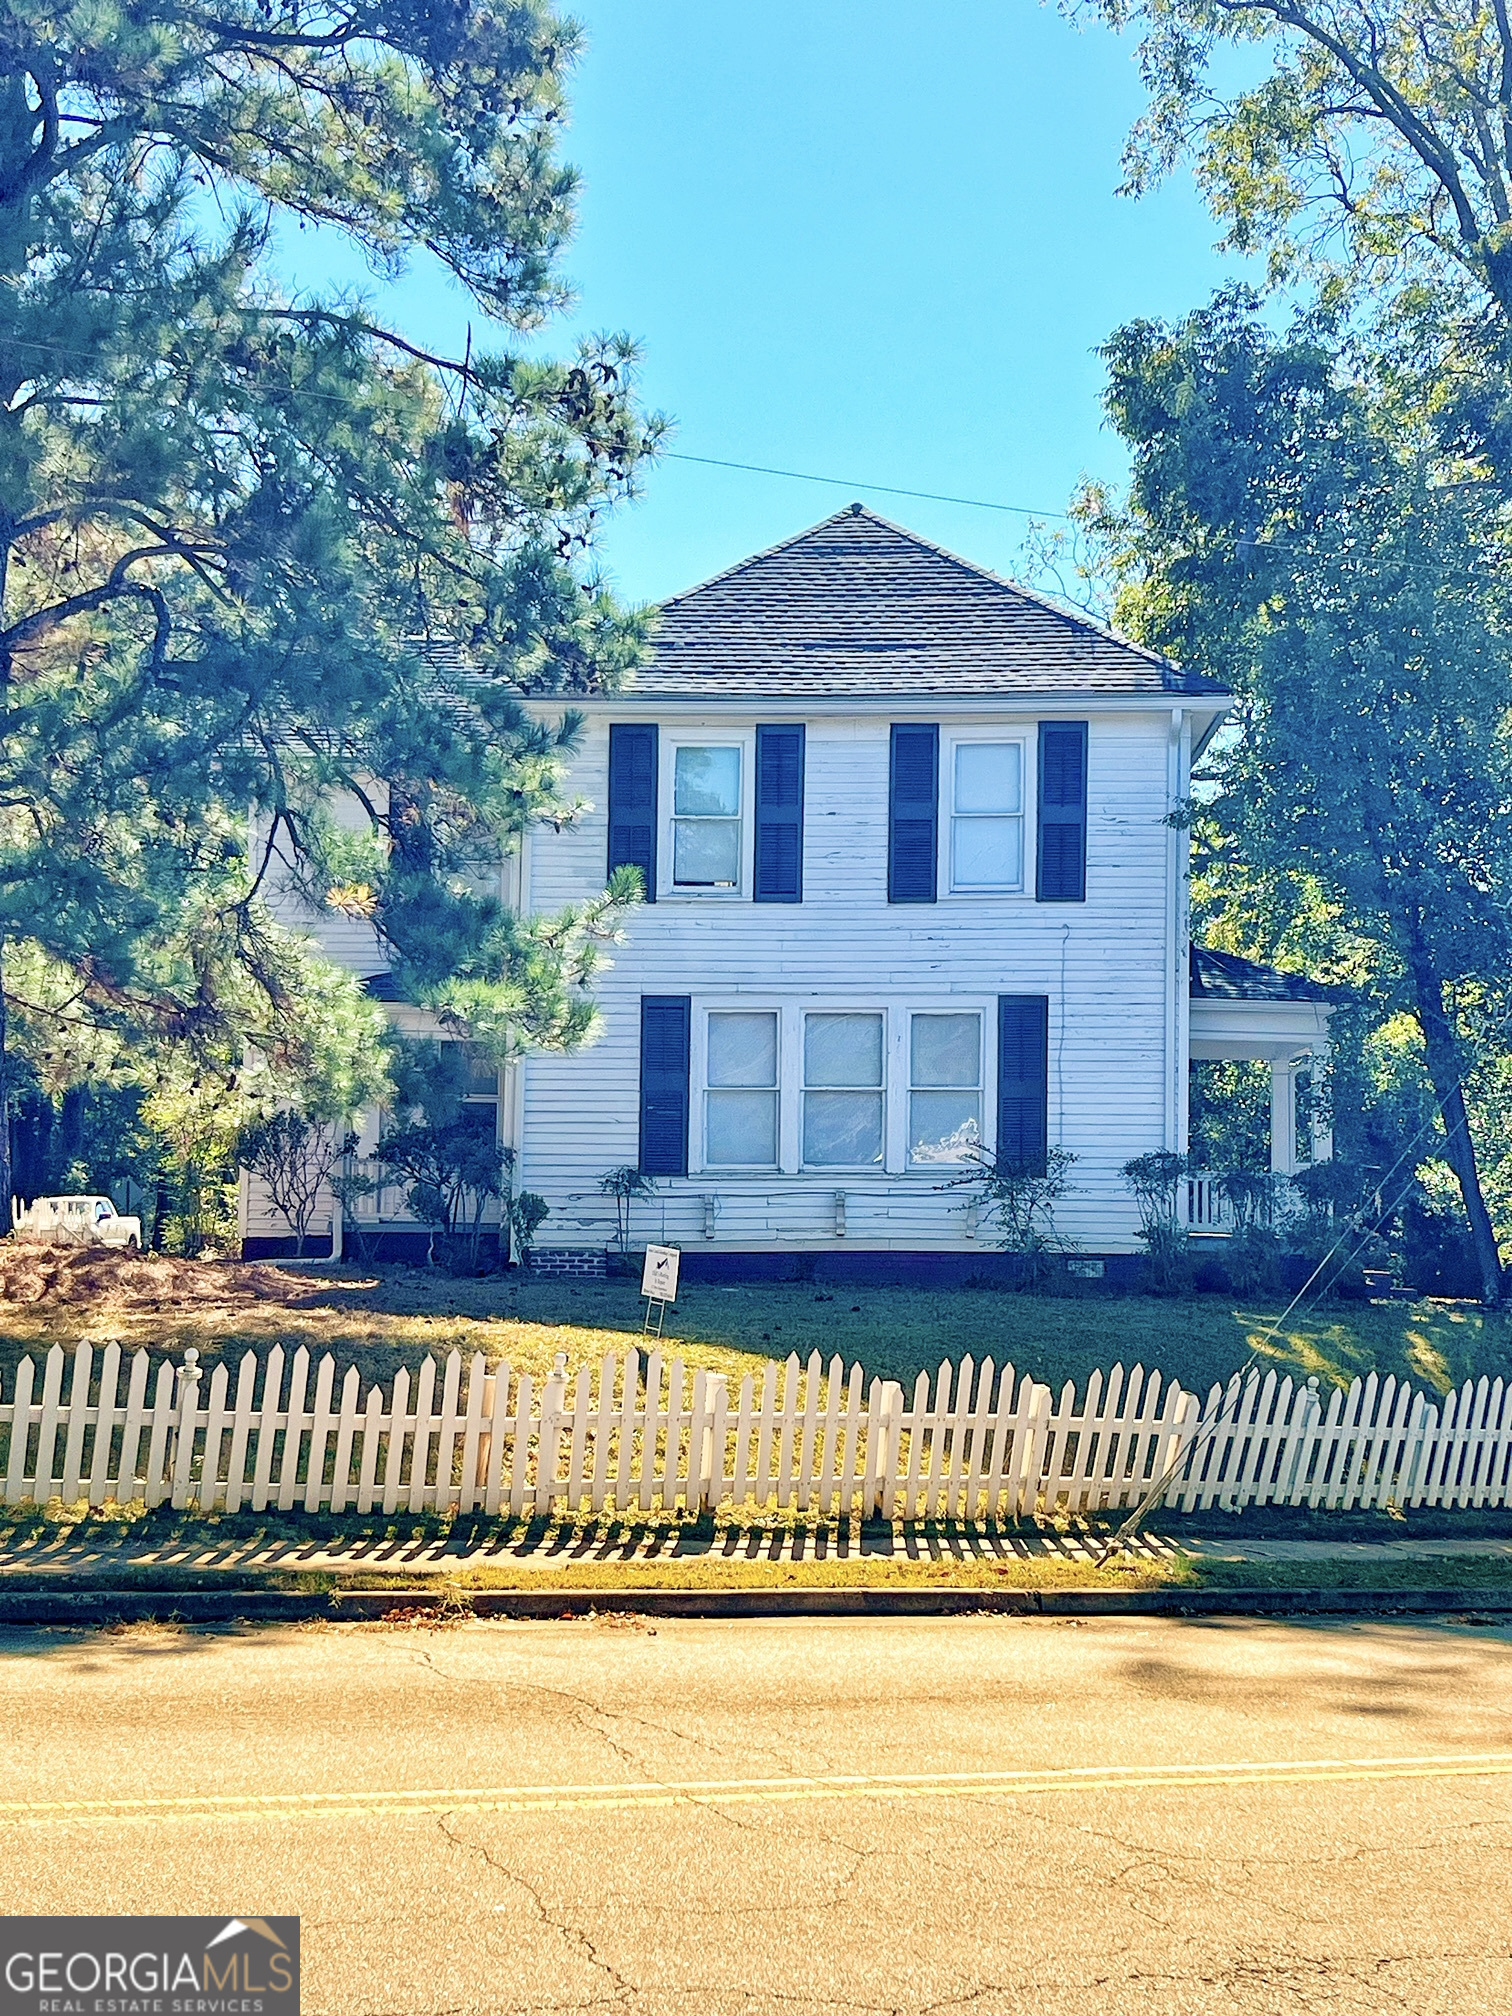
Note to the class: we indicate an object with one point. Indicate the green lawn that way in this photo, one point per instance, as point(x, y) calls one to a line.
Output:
point(383, 1318)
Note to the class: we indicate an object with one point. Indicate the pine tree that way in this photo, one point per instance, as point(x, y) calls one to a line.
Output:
point(259, 550)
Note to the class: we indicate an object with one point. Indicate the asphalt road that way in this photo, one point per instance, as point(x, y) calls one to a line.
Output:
point(1132, 1815)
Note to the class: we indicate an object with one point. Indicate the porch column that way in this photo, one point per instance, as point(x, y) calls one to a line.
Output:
point(1322, 1132)
point(1283, 1127)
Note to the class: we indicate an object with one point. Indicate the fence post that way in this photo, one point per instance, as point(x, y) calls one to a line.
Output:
point(889, 1443)
point(553, 1404)
point(716, 1403)
point(184, 1428)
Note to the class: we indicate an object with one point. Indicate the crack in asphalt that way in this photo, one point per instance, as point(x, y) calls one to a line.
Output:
point(625, 1990)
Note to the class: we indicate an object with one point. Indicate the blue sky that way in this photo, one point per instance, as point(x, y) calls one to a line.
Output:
point(863, 238)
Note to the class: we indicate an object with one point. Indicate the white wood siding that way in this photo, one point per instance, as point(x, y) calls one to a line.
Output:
point(1107, 966)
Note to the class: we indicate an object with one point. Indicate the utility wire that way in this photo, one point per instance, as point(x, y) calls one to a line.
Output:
point(854, 483)
point(666, 454)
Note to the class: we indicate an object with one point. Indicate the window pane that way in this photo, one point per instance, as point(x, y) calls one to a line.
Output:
point(842, 1049)
point(707, 783)
point(482, 1077)
point(943, 1126)
point(947, 1049)
point(741, 1130)
point(988, 777)
point(743, 1049)
point(842, 1129)
point(987, 853)
point(706, 852)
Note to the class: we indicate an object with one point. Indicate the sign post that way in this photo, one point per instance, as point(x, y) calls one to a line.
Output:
point(659, 1285)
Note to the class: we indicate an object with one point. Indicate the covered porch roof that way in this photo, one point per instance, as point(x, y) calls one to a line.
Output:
point(1242, 1010)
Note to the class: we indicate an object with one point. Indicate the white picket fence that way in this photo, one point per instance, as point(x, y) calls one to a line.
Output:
point(974, 1442)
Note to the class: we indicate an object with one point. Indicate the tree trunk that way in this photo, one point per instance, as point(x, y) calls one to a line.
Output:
point(1444, 1068)
point(7, 1174)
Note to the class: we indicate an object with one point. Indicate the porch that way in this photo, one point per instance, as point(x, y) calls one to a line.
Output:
point(1245, 1013)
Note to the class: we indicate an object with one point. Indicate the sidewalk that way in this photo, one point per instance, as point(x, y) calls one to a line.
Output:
point(57, 1553)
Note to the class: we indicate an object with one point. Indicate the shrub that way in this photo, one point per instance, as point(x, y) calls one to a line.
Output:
point(624, 1185)
point(1020, 1200)
point(1156, 1179)
point(527, 1213)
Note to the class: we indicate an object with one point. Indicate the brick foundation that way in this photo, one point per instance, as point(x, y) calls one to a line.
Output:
point(585, 1263)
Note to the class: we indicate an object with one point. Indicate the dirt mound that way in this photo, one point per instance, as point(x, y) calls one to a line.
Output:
point(74, 1276)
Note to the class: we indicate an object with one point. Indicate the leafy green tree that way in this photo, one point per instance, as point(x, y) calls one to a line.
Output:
point(256, 548)
point(1374, 147)
point(1307, 539)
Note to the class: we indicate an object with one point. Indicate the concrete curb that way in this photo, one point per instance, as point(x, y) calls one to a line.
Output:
point(218, 1606)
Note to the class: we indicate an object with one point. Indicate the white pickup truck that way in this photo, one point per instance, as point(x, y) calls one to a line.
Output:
point(78, 1221)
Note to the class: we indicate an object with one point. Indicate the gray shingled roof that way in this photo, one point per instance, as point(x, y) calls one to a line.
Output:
point(858, 605)
point(1221, 976)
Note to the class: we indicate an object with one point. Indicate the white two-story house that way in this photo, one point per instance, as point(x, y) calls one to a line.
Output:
point(915, 876)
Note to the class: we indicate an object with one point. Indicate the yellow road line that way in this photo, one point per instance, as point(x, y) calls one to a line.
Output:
point(743, 1791)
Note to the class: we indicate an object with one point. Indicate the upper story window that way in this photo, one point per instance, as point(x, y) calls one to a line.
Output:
point(706, 789)
point(945, 1087)
point(740, 1112)
point(987, 816)
point(843, 1087)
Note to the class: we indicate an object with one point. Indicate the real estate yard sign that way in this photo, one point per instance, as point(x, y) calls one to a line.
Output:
point(659, 1283)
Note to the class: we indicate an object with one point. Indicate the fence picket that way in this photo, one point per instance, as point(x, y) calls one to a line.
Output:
point(471, 1487)
point(18, 1484)
point(217, 1416)
point(346, 1428)
point(105, 1425)
point(322, 1421)
point(160, 1427)
point(444, 1497)
point(47, 1425)
point(294, 1427)
point(787, 1424)
point(78, 1417)
point(372, 1436)
point(650, 1431)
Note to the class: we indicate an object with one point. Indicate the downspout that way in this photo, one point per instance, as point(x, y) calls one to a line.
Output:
point(1178, 996)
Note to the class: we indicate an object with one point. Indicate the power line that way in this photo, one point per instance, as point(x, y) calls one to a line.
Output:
point(854, 483)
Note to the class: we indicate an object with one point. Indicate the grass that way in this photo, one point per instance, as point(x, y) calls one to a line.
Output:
point(383, 1318)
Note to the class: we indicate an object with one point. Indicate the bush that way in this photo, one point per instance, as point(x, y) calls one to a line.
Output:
point(1019, 1199)
point(1156, 1180)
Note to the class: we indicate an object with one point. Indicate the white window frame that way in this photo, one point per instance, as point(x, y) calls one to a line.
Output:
point(952, 740)
point(980, 1088)
point(712, 736)
point(897, 1012)
point(699, 1064)
point(888, 1019)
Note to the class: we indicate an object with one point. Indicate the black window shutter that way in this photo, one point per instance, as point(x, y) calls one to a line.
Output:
point(779, 815)
point(913, 825)
point(1023, 1090)
point(666, 1026)
point(1060, 856)
point(632, 800)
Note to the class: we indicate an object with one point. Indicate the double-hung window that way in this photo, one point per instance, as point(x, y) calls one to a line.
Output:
point(843, 1086)
point(706, 788)
point(945, 1087)
point(987, 816)
point(740, 1112)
